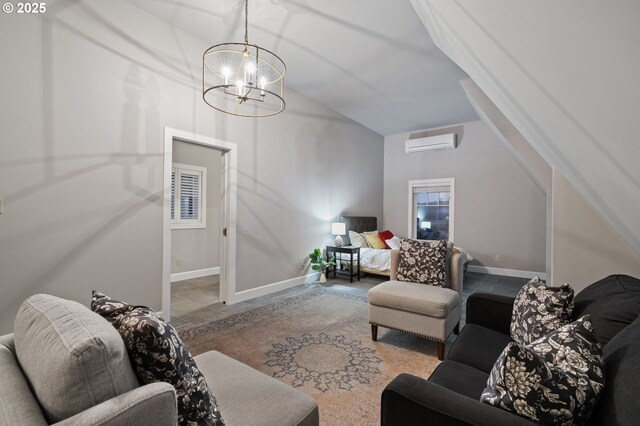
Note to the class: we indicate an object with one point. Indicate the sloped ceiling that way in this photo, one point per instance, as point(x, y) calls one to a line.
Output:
point(566, 75)
point(371, 60)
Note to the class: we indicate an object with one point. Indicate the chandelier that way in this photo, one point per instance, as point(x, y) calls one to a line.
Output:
point(243, 79)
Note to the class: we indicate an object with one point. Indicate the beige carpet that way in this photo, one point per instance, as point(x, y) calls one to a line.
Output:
point(320, 343)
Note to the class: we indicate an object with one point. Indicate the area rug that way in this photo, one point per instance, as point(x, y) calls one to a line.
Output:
point(320, 343)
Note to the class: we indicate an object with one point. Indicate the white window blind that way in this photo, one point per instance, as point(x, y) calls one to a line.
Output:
point(188, 196)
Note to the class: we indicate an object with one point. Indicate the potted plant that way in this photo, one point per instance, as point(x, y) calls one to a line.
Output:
point(319, 264)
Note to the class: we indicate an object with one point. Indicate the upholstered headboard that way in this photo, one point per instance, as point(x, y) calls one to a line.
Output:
point(358, 224)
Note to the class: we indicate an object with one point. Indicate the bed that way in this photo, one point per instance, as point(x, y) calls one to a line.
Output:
point(377, 261)
point(372, 261)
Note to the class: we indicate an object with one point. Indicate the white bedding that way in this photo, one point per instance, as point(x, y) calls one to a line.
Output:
point(380, 259)
point(375, 259)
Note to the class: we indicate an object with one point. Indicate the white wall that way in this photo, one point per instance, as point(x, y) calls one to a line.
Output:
point(566, 75)
point(199, 248)
point(499, 209)
point(585, 247)
point(86, 91)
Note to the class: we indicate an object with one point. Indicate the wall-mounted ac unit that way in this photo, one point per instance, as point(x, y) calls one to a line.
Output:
point(429, 143)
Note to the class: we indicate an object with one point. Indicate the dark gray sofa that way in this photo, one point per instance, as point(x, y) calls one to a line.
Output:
point(451, 395)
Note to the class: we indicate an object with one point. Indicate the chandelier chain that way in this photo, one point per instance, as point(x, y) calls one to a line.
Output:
point(246, 21)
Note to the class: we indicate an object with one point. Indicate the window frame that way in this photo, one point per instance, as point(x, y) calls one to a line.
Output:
point(451, 183)
point(177, 222)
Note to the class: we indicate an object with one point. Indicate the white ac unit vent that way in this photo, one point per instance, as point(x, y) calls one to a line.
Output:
point(429, 143)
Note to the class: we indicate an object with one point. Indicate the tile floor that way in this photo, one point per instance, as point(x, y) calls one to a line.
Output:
point(197, 299)
point(191, 300)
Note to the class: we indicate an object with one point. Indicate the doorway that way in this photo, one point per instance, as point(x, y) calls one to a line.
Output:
point(200, 178)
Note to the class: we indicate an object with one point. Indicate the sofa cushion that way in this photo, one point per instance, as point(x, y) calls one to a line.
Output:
point(435, 302)
point(249, 397)
point(557, 379)
point(478, 347)
point(158, 355)
point(619, 401)
point(72, 358)
point(613, 303)
point(538, 310)
point(17, 404)
point(460, 378)
point(423, 261)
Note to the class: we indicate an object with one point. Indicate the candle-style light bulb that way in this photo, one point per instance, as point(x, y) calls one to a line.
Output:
point(250, 68)
point(263, 83)
point(226, 72)
point(239, 87)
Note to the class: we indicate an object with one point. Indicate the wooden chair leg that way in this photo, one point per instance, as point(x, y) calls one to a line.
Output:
point(374, 332)
point(440, 351)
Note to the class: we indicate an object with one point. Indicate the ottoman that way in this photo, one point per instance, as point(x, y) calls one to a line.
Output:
point(418, 309)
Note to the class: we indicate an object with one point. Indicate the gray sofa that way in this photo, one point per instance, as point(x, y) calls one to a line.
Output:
point(66, 365)
point(451, 395)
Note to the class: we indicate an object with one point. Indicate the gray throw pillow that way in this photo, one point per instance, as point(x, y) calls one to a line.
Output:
point(72, 358)
point(539, 310)
point(158, 355)
point(557, 379)
point(423, 261)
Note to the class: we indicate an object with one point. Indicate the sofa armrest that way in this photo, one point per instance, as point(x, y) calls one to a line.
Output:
point(7, 340)
point(395, 259)
point(490, 310)
point(153, 404)
point(411, 400)
point(456, 272)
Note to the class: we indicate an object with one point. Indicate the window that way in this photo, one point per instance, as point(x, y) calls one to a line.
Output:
point(188, 196)
point(431, 209)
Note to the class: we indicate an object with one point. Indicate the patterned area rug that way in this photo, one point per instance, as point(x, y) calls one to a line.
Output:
point(320, 343)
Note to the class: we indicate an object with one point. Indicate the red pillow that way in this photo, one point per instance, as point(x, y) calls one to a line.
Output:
point(384, 236)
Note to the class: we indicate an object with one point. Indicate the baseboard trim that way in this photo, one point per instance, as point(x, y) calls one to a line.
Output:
point(198, 273)
point(241, 296)
point(508, 272)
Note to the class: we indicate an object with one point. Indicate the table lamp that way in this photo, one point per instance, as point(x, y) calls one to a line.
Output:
point(338, 229)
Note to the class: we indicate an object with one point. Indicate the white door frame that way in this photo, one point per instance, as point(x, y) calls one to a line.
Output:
point(451, 182)
point(227, 219)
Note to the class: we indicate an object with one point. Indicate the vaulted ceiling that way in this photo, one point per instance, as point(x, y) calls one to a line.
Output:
point(371, 60)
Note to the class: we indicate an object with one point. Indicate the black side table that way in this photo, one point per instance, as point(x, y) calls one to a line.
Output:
point(351, 251)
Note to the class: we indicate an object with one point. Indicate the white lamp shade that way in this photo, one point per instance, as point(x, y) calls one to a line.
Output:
point(338, 228)
point(425, 224)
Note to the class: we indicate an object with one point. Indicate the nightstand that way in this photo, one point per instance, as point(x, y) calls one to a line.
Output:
point(353, 259)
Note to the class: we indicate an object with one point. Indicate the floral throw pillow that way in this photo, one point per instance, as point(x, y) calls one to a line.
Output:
point(157, 354)
point(538, 310)
point(422, 261)
point(557, 379)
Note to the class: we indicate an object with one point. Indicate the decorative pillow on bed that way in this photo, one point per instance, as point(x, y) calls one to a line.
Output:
point(539, 310)
point(384, 236)
point(357, 240)
point(422, 261)
point(557, 379)
point(157, 354)
point(374, 240)
point(393, 243)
